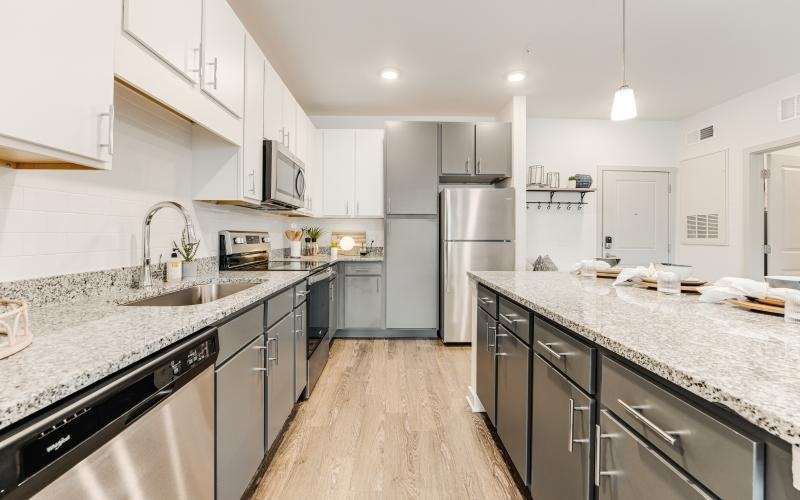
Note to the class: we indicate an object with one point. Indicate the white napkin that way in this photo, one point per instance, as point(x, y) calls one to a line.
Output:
point(630, 273)
point(599, 265)
point(733, 288)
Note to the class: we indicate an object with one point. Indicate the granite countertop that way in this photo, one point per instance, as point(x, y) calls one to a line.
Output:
point(327, 258)
point(745, 361)
point(78, 343)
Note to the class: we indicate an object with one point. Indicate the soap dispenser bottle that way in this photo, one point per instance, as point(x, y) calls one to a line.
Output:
point(174, 271)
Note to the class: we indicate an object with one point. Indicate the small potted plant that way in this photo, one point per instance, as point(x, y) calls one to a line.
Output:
point(571, 182)
point(187, 251)
point(313, 233)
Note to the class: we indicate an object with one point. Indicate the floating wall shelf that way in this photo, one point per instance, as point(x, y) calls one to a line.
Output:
point(552, 191)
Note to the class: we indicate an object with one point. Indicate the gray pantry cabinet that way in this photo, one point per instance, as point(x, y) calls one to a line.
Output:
point(412, 270)
point(412, 158)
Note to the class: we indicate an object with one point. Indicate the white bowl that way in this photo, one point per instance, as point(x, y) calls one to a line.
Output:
point(683, 271)
point(783, 281)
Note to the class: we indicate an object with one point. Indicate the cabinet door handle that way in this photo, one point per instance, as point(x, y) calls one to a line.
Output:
point(195, 61)
point(494, 329)
point(466, 166)
point(571, 424)
point(214, 64)
point(633, 411)
point(597, 455)
point(512, 321)
point(110, 137)
point(478, 165)
point(378, 286)
point(347, 208)
point(546, 347)
point(356, 207)
point(252, 181)
point(288, 139)
point(486, 301)
point(388, 204)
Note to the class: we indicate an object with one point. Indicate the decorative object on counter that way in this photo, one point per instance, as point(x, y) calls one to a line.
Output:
point(735, 288)
point(314, 233)
point(571, 182)
point(542, 263)
point(188, 250)
point(294, 236)
point(792, 306)
point(367, 250)
point(359, 238)
point(783, 281)
point(611, 261)
point(669, 282)
point(334, 248)
point(15, 334)
point(536, 176)
point(583, 181)
point(588, 268)
point(683, 271)
point(174, 272)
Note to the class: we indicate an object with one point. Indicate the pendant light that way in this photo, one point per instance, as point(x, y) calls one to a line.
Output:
point(624, 107)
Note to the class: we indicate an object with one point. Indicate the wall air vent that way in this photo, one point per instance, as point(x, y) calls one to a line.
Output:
point(702, 226)
point(789, 108)
point(698, 135)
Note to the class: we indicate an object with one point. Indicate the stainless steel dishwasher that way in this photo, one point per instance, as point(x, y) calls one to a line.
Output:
point(147, 432)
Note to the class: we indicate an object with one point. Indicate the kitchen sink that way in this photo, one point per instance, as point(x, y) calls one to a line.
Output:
point(198, 294)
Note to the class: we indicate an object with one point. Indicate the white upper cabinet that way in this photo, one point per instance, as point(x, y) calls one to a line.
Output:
point(352, 173)
point(369, 173)
point(273, 104)
point(338, 153)
point(57, 87)
point(301, 143)
point(252, 166)
point(171, 30)
point(290, 120)
point(223, 55)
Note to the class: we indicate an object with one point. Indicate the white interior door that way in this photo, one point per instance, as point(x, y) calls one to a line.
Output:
point(783, 230)
point(635, 216)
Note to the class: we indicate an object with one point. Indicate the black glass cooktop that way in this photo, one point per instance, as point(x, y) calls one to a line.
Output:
point(291, 265)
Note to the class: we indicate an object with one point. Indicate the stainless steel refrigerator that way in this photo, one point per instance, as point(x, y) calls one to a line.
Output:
point(477, 233)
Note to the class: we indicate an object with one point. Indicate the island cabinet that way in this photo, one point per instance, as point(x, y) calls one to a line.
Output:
point(604, 427)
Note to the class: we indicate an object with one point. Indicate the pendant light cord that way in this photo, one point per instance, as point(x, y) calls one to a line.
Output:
point(624, 45)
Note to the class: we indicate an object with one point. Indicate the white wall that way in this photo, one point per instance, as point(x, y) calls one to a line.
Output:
point(57, 222)
point(324, 121)
point(742, 123)
point(571, 146)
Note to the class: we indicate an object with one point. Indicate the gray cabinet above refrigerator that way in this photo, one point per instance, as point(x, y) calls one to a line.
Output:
point(474, 152)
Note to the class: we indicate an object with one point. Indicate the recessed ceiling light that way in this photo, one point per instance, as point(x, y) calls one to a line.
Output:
point(389, 74)
point(516, 76)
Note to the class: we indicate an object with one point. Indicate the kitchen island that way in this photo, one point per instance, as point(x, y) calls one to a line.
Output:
point(738, 365)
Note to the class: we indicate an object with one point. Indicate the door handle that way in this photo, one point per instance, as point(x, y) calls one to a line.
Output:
point(571, 425)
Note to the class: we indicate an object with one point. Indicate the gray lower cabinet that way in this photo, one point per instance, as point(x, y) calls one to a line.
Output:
point(300, 350)
point(458, 148)
point(560, 435)
point(363, 302)
point(240, 419)
point(412, 283)
point(629, 468)
point(493, 149)
point(486, 363)
point(280, 376)
point(513, 403)
point(412, 165)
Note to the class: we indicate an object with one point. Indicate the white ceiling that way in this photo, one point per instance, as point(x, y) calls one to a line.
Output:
point(683, 55)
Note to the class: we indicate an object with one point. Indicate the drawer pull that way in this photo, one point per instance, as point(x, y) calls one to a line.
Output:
point(666, 436)
point(503, 316)
point(572, 409)
point(501, 354)
point(484, 300)
point(549, 349)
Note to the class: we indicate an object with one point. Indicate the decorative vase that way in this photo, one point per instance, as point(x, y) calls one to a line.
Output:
point(294, 248)
point(189, 269)
point(334, 252)
point(314, 247)
point(571, 183)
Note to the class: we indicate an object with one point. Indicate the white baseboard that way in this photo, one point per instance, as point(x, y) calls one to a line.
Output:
point(473, 401)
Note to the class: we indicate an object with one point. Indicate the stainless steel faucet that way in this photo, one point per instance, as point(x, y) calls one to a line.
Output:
point(147, 280)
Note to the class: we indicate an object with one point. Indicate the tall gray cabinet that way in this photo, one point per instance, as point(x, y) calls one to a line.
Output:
point(411, 231)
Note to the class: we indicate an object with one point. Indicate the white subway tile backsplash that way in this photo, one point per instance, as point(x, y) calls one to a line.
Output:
point(11, 197)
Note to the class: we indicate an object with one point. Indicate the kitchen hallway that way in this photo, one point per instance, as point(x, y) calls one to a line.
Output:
point(389, 420)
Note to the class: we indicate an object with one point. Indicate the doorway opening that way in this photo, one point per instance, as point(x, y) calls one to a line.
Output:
point(773, 232)
point(635, 217)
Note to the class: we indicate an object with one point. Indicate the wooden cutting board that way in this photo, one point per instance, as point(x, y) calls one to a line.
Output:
point(757, 306)
point(654, 286)
point(359, 237)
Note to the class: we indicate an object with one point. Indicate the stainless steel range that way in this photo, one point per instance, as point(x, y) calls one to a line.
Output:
point(248, 251)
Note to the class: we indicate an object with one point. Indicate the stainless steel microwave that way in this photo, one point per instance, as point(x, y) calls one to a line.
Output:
point(284, 178)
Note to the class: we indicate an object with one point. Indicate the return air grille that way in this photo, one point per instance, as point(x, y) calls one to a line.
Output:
point(702, 226)
point(789, 108)
point(702, 134)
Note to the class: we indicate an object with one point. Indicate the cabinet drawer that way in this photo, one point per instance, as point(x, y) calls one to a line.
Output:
point(727, 462)
point(279, 306)
point(362, 268)
point(239, 331)
point(516, 318)
point(574, 358)
point(487, 300)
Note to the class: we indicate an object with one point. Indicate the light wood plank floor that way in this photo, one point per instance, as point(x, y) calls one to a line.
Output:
point(389, 419)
